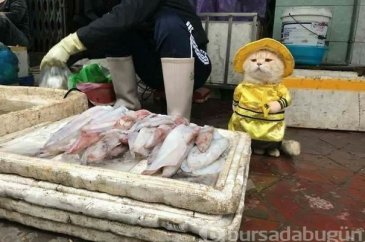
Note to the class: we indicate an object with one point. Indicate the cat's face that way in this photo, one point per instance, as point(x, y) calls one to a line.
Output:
point(263, 67)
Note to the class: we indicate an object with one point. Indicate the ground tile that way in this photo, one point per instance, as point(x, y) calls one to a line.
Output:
point(356, 187)
point(259, 165)
point(283, 199)
point(320, 169)
point(312, 188)
point(255, 224)
point(316, 221)
point(256, 207)
point(339, 139)
point(349, 160)
point(263, 181)
point(284, 165)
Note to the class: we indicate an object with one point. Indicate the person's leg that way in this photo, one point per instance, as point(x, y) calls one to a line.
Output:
point(146, 59)
point(184, 65)
point(10, 34)
point(173, 40)
point(120, 63)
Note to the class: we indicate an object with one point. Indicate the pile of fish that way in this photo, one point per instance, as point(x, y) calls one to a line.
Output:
point(168, 143)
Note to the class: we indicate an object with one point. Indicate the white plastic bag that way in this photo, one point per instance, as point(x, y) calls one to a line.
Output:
point(55, 77)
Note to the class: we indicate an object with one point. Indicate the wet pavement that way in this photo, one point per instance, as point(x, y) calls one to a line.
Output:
point(323, 189)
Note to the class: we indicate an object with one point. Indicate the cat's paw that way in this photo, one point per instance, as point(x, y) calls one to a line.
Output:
point(258, 151)
point(290, 147)
point(274, 107)
point(274, 152)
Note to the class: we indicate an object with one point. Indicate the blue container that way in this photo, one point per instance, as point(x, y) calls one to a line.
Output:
point(26, 81)
point(307, 55)
point(8, 66)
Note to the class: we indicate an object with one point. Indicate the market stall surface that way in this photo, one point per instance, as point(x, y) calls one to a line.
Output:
point(320, 190)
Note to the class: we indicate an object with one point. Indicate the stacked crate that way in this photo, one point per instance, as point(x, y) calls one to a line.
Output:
point(103, 204)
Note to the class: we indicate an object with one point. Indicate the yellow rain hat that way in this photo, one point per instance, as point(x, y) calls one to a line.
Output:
point(264, 44)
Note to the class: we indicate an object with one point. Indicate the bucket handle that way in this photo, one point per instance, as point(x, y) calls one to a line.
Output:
point(321, 37)
point(69, 91)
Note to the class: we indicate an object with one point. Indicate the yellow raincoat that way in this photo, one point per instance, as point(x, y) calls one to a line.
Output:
point(252, 116)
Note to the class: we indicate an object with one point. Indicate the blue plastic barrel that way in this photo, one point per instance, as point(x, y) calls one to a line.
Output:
point(307, 55)
point(304, 32)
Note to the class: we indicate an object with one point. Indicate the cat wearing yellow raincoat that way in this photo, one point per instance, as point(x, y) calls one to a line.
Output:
point(259, 101)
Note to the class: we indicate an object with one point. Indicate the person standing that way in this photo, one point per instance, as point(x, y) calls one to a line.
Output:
point(14, 23)
point(162, 40)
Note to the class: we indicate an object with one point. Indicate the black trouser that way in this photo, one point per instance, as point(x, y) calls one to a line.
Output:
point(10, 34)
point(265, 145)
point(170, 38)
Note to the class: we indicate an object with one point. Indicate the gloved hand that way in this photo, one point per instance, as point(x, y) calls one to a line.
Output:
point(61, 52)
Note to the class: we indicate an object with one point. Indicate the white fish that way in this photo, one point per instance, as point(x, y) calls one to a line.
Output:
point(144, 135)
point(153, 121)
point(105, 122)
point(132, 137)
point(147, 138)
point(103, 148)
point(214, 168)
point(154, 154)
point(118, 151)
point(169, 171)
point(158, 136)
point(180, 120)
point(60, 140)
point(173, 150)
point(83, 141)
point(130, 118)
point(197, 160)
point(204, 138)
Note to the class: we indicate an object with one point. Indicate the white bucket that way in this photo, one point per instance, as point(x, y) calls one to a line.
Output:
point(305, 26)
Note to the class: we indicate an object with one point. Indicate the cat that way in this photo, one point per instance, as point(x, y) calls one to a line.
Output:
point(259, 104)
point(263, 67)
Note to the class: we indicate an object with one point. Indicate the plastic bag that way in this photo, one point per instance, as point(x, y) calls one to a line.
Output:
point(8, 66)
point(92, 73)
point(55, 77)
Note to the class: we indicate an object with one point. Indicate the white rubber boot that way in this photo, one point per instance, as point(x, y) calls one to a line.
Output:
point(124, 82)
point(178, 76)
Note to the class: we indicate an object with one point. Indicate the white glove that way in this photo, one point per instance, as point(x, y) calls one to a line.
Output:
point(59, 54)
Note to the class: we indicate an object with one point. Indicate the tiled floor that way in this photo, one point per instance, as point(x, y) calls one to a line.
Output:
point(322, 189)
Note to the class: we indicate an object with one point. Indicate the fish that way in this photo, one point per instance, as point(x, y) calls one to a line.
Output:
point(154, 154)
point(173, 150)
point(213, 168)
point(204, 138)
point(197, 160)
point(125, 122)
point(148, 138)
point(138, 146)
point(159, 135)
point(132, 137)
point(180, 120)
point(60, 141)
point(118, 151)
point(103, 148)
point(169, 171)
point(152, 121)
point(131, 117)
point(83, 141)
point(105, 122)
